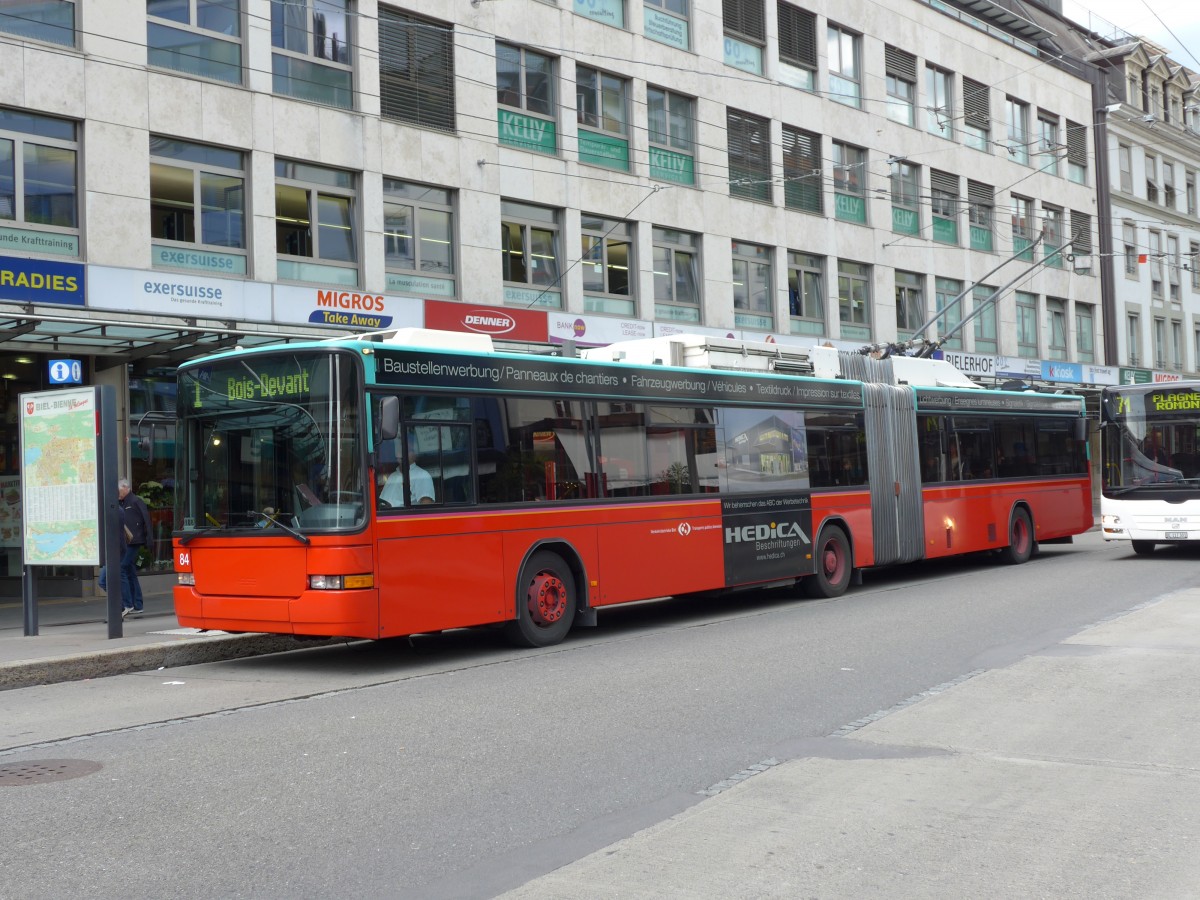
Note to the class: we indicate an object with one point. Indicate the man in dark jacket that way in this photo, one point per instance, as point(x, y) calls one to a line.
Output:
point(136, 519)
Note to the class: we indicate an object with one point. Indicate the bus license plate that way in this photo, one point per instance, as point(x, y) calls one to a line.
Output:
point(1177, 535)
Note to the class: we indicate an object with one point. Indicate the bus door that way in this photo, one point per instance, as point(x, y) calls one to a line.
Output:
point(897, 512)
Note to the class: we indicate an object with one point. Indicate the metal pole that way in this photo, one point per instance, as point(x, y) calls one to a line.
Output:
point(112, 538)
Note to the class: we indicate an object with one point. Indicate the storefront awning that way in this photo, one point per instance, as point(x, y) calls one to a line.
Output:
point(168, 341)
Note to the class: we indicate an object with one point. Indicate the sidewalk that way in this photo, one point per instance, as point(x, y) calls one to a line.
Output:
point(72, 643)
point(1072, 773)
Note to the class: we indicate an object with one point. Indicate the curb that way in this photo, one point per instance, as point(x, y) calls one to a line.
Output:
point(104, 663)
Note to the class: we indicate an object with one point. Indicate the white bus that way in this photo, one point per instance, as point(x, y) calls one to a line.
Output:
point(1150, 444)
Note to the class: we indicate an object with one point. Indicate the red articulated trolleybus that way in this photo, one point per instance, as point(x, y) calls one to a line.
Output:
point(379, 487)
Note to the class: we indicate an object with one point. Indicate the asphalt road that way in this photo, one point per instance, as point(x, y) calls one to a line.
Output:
point(453, 766)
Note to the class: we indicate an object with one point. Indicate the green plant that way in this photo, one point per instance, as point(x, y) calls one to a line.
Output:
point(155, 495)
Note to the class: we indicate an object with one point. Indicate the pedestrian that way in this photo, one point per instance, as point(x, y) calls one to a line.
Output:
point(136, 520)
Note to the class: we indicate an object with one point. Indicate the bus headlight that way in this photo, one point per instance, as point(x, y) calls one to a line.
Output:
point(340, 582)
point(188, 578)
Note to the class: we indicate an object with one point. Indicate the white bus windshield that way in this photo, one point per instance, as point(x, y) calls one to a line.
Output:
point(1151, 439)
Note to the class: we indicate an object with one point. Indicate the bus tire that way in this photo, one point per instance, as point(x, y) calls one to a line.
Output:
point(834, 566)
point(1143, 548)
point(1020, 538)
point(546, 602)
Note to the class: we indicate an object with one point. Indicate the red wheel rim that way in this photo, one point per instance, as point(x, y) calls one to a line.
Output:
point(1020, 536)
point(547, 598)
point(832, 562)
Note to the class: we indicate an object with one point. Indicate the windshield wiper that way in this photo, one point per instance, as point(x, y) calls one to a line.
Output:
point(192, 535)
point(302, 538)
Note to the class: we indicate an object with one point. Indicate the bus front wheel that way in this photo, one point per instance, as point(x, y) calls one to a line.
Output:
point(1143, 548)
point(1020, 539)
point(832, 555)
point(546, 600)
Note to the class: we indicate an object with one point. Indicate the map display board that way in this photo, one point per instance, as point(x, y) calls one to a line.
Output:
point(60, 508)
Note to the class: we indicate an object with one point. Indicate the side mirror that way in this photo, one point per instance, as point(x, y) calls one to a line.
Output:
point(388, 425)
point(1081, 429)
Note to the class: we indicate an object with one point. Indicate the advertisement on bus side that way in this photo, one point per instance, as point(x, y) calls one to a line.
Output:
point(767, 537)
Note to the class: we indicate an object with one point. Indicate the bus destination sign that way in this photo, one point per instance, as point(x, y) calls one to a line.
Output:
point(1170, 401)
point(434, 371)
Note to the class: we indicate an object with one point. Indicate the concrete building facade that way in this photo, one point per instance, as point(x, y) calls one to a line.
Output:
point(182, 175)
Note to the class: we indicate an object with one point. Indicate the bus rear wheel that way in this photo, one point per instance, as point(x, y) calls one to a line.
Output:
point(832, 555)
point(1020, 539)
point(1143, 548)
point(546, 602)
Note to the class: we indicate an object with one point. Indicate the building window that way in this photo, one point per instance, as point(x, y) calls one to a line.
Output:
point(416, 70)
point(1027, 327)
point(199, 37)
point(844, 69)
point(610, 12)
point(849, 187)
point(910, 303)
point(977, 115)
point(854, 299)
point(526, 101)
point(1156, 264)
point(982, 203)
point(745, 34)
point(1048, 147)
point(752, 293)
point(529, 254)
point(1077, 153)
point(1022, 227)
point(1056, 322)
point(1129, 236)
point(986, 340)
point(1125, 163)
point(901, 75)
point(906, 197)
point(749, 156)
point(945, 205)
point(602, 113)
point(311, 60)
point(1151, 178)
point(676, 275)
point(1018, 130)
point(1053, 240)
point(668, 22)
point(1193, 266)
point(52, 21)
point(806, 293)
point(1080, 241)
point(950, 313)
point(197, 200)
point(1177, 345)
point(606, 260)
point(671, 132)
point(1190, 192)
point(315, 227)
point(39, 178)
point(1133, 338)
point(939, 102)
point(1160, 343)
point(1168, 174)
point(418, 238)
point(1085, 332)
point(1173, 267)
point(797, 46)
point(802, 176)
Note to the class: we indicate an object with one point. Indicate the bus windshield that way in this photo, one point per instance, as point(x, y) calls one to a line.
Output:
point(270, 441)
point(1151, 439)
